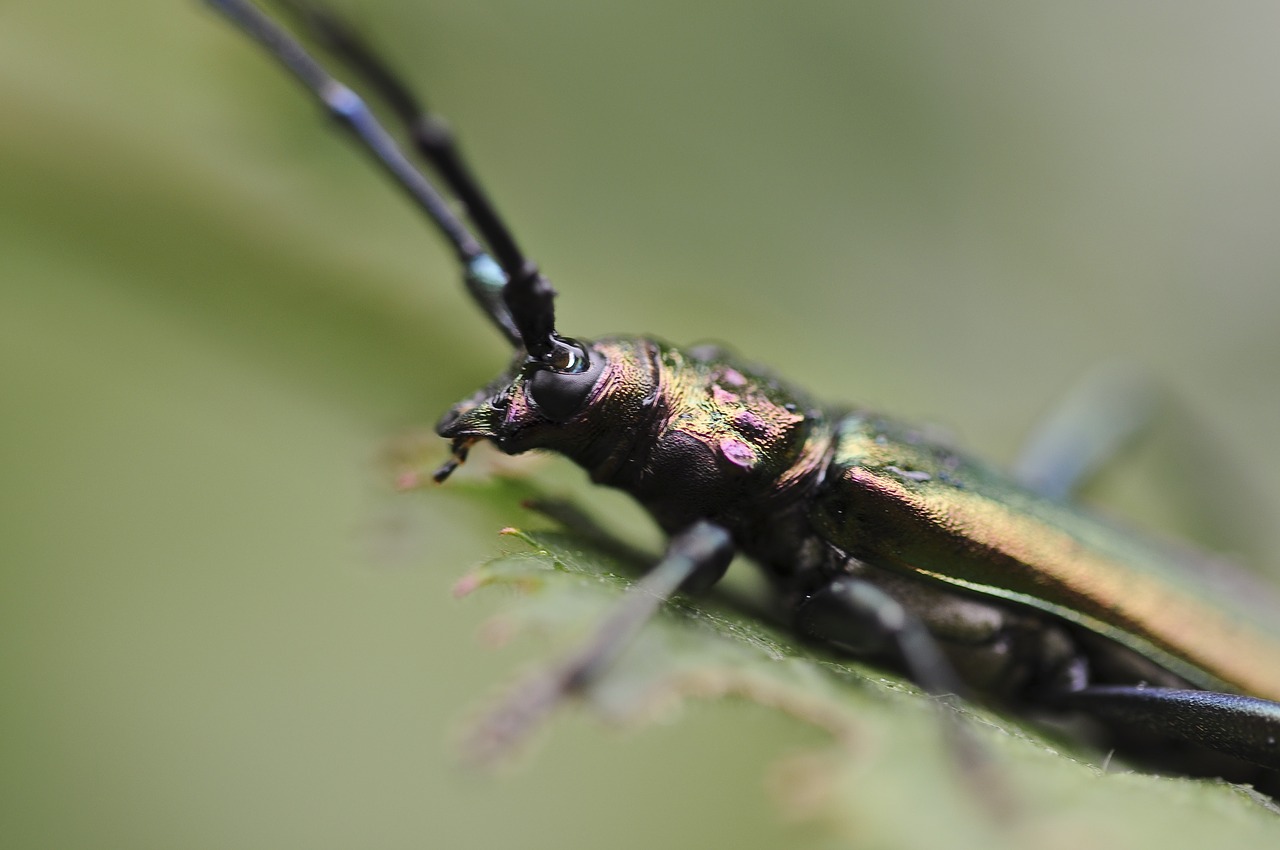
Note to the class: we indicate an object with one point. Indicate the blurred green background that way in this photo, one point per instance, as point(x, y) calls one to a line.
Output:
point(220, 627)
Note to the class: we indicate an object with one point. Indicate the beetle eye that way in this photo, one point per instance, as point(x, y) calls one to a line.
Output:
point(559, 396)
point(568, 355)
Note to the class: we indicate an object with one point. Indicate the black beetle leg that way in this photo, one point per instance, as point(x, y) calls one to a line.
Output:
point(1089, 427)
point(1245, 727)
point(856, 615)
point(695, 559)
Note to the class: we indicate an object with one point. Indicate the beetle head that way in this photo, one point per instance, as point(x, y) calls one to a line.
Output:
point(589, 411)
point(691, 434)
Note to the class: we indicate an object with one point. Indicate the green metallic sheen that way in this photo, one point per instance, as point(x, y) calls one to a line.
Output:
point(901, 502)
point(697, 434)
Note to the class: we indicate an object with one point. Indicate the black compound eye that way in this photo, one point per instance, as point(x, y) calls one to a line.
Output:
point(559, 396)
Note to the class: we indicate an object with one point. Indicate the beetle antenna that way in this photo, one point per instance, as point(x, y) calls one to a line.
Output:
point(511, 290)
point(435, 141)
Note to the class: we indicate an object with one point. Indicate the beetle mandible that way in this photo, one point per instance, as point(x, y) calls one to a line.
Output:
point(877, 540)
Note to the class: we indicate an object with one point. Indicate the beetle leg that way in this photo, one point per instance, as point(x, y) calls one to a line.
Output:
point(695, 559)
point(856, 615)
point(1090, 426)
point(1244, 727)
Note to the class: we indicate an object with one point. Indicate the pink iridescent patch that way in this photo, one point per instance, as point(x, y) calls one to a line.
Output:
point(750, 423)
point(723, 396)
point(737, 452)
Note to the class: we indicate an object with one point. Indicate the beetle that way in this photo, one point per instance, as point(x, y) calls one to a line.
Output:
point(877, 539)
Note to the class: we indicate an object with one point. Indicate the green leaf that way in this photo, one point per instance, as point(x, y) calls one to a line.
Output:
point(885, 774)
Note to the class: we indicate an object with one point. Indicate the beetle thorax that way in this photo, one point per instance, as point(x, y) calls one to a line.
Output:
point(722, 440)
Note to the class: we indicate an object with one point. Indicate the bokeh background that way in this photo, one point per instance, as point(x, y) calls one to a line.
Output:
point(219, 625)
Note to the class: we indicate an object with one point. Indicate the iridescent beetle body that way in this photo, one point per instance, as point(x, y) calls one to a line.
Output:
point(1029, 596)
point(878, 539)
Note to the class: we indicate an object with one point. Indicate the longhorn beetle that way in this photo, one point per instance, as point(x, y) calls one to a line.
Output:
point(876, 540)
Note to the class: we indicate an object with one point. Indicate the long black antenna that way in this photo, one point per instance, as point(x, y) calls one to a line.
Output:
point(428, 131)
point(512, 292)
